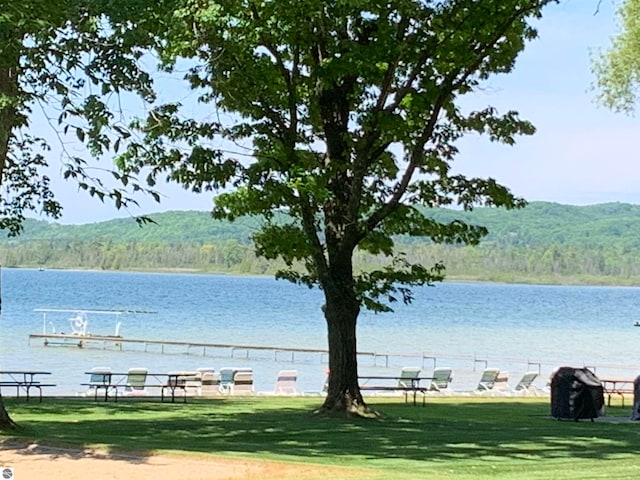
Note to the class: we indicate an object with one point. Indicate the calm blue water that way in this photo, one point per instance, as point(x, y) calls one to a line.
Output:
point(462, 325)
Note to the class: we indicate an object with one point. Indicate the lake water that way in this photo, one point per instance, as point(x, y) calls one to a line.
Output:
point(466, 326)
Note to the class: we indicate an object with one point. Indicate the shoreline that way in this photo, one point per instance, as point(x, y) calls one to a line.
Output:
point(462, 326)
point(569, 281)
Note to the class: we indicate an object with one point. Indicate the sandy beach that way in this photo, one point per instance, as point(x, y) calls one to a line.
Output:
point(31, 461)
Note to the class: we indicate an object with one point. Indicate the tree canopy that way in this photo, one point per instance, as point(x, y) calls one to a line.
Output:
point(65, 60)
point(345, 115)
point(65, 57)
point(618, 68)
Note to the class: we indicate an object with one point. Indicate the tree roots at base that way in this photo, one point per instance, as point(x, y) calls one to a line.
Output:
point(345, 407)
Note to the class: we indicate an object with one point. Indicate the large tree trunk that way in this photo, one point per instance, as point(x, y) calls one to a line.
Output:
point(341, 313)
point(5, 420)
point(7, 115)
point(8, 88)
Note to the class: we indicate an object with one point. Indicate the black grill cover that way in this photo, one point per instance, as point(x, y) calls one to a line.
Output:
point(576, 393)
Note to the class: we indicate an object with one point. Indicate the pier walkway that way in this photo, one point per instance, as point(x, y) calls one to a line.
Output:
point(107, 342)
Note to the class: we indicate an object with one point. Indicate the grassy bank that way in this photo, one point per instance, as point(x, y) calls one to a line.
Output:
point(450, 438)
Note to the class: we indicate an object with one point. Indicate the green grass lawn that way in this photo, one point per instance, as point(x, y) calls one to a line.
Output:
point(460, 437)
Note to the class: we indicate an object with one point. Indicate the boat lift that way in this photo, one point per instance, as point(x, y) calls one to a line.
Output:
point(78, 325)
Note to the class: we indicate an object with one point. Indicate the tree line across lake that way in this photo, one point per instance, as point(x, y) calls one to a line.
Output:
point(543, 242)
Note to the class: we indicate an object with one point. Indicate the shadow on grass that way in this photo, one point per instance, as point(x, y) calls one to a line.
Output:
point(445, 430)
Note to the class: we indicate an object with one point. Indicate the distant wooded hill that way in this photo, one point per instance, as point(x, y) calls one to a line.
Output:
point(544, 242)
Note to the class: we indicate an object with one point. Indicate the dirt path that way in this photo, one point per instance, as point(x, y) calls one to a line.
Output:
point(35, 462)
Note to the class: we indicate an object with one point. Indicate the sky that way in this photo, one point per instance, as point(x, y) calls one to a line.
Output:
point(581, 154)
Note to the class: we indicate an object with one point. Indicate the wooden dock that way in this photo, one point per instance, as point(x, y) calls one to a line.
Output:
point(108, 342)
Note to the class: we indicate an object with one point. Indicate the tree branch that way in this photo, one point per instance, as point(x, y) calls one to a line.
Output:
point(451, 84)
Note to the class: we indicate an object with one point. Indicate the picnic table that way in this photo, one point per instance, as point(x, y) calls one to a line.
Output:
point(396, 383)
point(24, 380)
point(617, 386)
point(169, 384)
point(177, 381)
